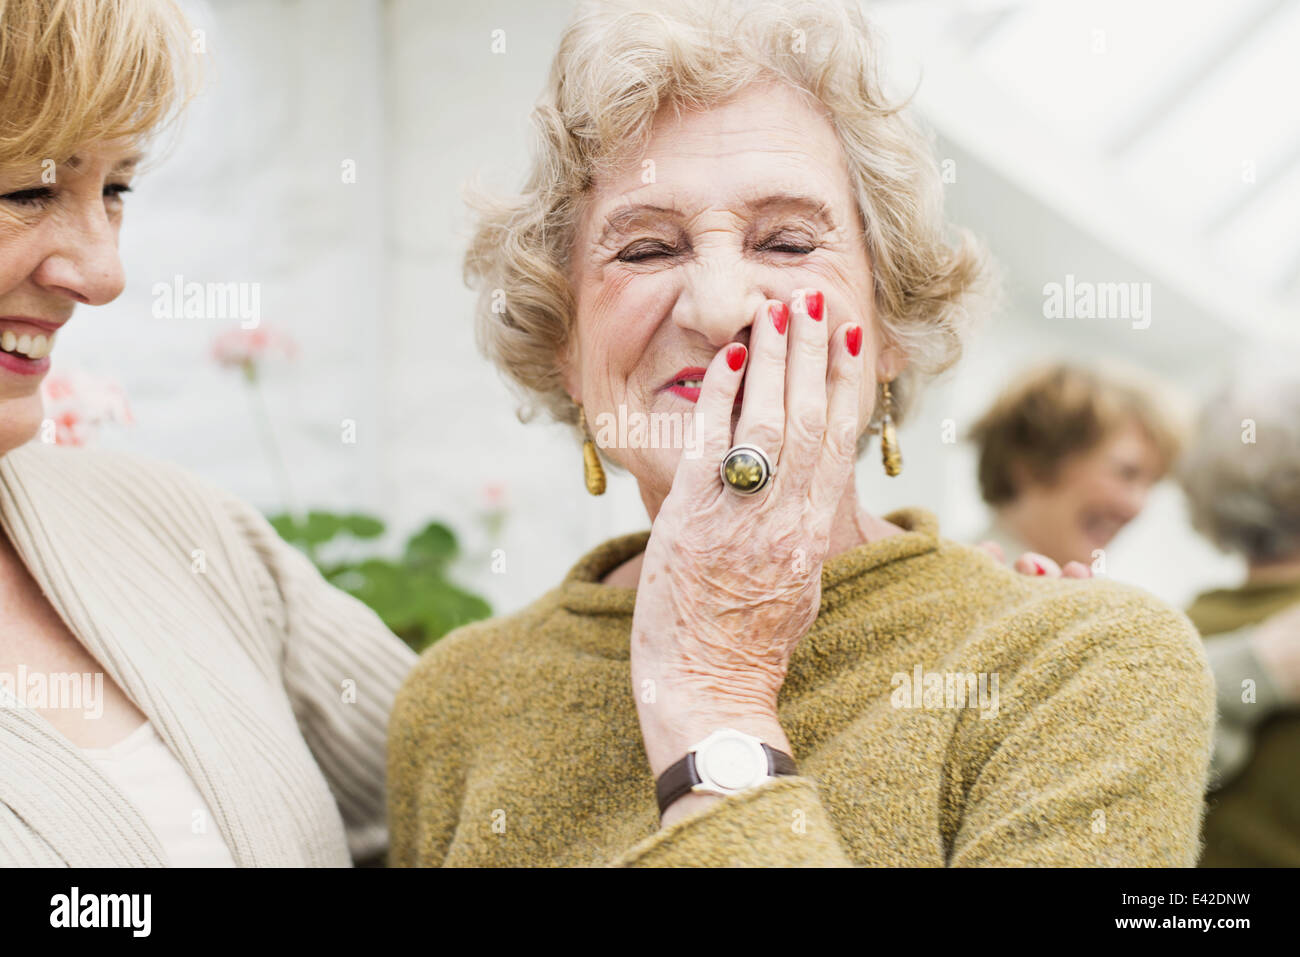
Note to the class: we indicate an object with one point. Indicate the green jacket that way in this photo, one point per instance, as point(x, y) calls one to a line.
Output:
point(1253, 819)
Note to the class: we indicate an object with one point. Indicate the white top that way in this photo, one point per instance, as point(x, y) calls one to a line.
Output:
point(155, 782)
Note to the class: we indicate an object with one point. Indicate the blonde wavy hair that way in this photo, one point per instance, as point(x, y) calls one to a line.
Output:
point(74, 72)
point(615, 67)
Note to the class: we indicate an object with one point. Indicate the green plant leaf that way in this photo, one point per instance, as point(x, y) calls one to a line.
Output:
point(414, 597)
point(321, 527)
point(431, 548)
point(362, 526)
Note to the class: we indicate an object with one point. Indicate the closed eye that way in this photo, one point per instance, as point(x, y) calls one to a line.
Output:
point(636, 254)
point(30, 197)
point(646, 251)
point(786, 244)
point(40, 195)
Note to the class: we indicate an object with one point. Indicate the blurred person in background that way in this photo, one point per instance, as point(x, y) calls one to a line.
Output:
point(1067, 456)
point(1241, 475)
point(178, 686)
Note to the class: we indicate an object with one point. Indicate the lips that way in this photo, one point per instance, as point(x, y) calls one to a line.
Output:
point(687, 382)
point(22, 365)
point(30, 325)
point(25, 344)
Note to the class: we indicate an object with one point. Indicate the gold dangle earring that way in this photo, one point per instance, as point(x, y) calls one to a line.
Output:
point(889, 453)
point(592, 471)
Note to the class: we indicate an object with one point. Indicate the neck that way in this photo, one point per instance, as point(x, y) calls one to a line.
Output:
point(1017, 521)
point(854, 525)
point(1281, 572)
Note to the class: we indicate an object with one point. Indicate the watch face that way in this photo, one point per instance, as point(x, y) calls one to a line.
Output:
point(732, 763)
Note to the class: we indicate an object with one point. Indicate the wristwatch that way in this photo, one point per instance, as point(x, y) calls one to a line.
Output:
point(725, 762)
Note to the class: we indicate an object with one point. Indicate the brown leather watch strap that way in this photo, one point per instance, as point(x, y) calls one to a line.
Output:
point(680, 777)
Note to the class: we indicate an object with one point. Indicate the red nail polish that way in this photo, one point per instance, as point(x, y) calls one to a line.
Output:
point(780, 314)
point(853, 339)
point(736, 356)
point(815, 303)
point(1039, 569)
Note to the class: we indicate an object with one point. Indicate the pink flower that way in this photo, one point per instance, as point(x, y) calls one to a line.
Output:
point(494, 495)
point(78, 403)
point(245, 348)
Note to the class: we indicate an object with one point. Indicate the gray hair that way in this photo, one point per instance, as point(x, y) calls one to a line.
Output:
point(1242, 471)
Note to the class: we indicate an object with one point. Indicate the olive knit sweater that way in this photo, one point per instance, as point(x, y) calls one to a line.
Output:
point(515, 741)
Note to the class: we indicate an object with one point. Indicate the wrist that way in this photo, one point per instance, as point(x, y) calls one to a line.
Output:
point(669, 736)
point(679, 705)
point(728, 761)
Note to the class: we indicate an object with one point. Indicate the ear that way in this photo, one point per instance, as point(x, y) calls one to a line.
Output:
point(890, 362)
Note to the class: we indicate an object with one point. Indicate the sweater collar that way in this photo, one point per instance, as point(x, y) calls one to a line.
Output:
point(582, 592)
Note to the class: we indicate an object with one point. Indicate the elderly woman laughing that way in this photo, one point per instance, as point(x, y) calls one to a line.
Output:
point(726, 197)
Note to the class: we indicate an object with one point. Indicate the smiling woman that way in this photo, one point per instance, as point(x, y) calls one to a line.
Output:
point(722, 194)
point(1068, 454)
point(80, 97)
point(217, 734)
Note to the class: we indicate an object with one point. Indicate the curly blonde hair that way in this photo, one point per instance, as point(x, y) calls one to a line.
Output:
point(616, 66)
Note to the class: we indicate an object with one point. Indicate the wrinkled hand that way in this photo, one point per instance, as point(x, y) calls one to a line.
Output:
point(730, 584)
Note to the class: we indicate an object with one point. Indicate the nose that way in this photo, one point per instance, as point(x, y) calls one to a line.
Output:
point(719, 301)
point(84, 264)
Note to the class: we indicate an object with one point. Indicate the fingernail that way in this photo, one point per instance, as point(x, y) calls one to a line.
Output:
point(1039, 569)
point(780, 314)
point(736, 356)
point(853, 339)
point(814, 302)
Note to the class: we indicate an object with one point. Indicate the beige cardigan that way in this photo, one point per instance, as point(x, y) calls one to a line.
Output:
point(272, 688)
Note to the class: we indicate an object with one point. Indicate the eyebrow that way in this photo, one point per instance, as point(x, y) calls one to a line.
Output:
point(627, 217)
point(125, 165)
point(128, 163)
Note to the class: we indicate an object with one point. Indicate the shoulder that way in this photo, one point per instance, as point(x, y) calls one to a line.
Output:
point(1080, 620)
point(151, 512)
point(110, 477)
point(475, 668)
point(475, 654)
point(144, 499)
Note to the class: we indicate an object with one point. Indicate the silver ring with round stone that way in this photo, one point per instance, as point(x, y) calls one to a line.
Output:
point(746, 469)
